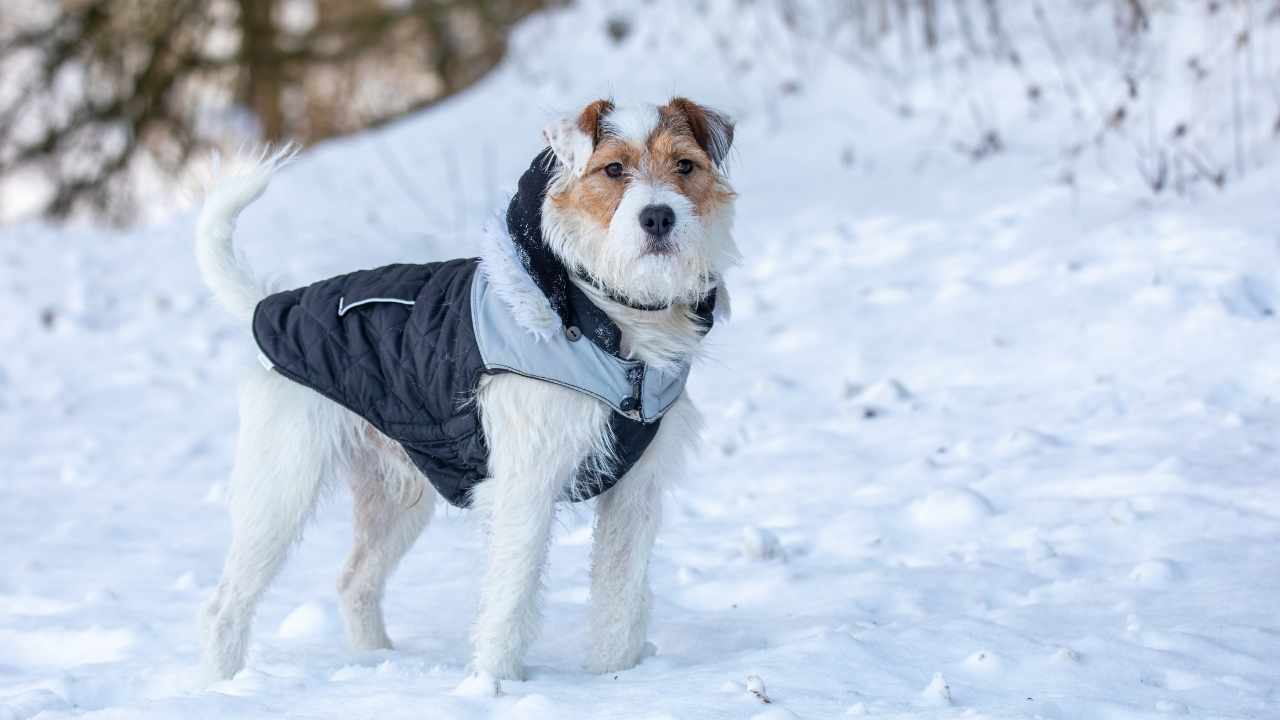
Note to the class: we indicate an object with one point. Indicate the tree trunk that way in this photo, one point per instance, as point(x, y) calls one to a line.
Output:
point(261, 67)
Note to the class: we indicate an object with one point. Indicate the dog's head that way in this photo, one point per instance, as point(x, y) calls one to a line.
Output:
point(640, 200)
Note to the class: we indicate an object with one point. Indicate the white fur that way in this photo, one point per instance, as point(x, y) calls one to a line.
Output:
point(571, 146)
point(222, 269)
point(294, 444)
point(509, 279)
point(633, 123)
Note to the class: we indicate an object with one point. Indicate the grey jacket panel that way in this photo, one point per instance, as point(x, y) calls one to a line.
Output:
point(581, 365)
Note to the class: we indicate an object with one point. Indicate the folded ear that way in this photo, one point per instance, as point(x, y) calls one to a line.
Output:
point(712, 129)
point(573, 139)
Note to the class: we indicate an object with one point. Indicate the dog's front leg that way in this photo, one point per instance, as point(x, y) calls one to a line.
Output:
point(538, 434)
point(626, 523)
point(519, 528)
point(627, 520)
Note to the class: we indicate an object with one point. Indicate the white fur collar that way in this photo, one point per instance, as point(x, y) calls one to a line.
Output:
point(509, 279)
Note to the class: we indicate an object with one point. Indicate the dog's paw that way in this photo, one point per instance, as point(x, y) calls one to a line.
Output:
point(479, 684)
point(214, 670)
point(369, 640)
point(504, 669)
point(603, 661)
point(600, 666)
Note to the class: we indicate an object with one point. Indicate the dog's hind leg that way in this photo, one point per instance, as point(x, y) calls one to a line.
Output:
point(290, 444)
point(393, 503)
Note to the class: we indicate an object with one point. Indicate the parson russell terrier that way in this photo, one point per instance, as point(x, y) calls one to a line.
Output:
point(550, 369)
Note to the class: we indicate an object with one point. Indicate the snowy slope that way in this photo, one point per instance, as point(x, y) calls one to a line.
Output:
point(967, 422)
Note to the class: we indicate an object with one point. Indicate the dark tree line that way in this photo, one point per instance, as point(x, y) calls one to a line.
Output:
point(93, 91)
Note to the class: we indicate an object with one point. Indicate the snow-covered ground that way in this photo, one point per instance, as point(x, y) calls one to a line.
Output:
point(981, 444)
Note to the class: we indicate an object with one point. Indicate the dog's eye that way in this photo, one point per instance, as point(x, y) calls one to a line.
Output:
point(613, 170)
point(684, 167)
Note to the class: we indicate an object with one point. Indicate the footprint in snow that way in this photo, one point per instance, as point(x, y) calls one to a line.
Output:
point(761, 544)
point(1250, 296)
point(879, 398)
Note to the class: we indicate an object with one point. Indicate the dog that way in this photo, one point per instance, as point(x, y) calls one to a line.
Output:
point(610, 270)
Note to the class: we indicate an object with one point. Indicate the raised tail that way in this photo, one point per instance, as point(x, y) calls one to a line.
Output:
point(223, 270)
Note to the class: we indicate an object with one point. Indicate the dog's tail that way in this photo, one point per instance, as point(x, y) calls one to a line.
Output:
point(223, 270)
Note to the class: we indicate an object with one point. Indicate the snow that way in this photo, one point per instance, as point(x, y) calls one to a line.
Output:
point(937, 692)
point(309, 621)
point(482, 684)
point(968, 422)
point(760, 544)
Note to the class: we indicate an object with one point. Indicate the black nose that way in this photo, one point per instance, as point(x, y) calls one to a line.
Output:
point(657, 219)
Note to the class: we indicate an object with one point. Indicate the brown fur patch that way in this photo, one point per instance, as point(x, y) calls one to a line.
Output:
point(596, 195)
point(589, 120)
point(712, 131)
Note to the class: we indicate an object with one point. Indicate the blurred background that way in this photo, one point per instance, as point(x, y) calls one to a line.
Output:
point(104, 103)
point(99, 93)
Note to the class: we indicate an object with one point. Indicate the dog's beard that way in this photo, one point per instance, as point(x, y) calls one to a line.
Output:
point(625, 259)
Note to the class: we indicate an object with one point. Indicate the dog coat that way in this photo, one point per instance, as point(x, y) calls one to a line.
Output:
point(405, 346)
